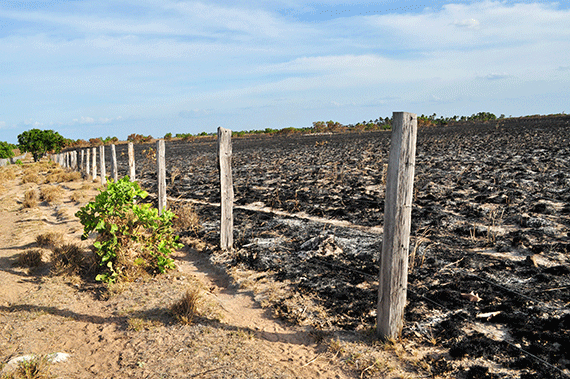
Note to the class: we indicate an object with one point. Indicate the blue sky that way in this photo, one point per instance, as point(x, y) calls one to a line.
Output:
point(97, 68)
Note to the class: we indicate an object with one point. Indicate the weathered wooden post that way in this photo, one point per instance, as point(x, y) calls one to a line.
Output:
point(67, 159)
point(393, 279)
point(161, 170)
point(131, 153)
point(102, 164)
point(227, 188)
point(82, 161)
point(94, 163)
point(87, 167)
point(74, 160)
point(114, 169)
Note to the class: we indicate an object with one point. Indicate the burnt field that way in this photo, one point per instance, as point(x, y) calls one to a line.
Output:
point(489, 276)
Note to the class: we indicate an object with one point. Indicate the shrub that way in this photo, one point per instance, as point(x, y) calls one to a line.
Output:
point(6, 150)
point(132, 237)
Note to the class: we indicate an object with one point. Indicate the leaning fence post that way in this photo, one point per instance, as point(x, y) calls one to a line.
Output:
point(102, 164)
point(226, 188)
point(114, 163)
point(131, 153)
point(161, 170)
point(393, 279)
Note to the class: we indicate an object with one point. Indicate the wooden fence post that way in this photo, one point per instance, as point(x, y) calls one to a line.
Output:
point(227, 188)
point(161, 170)
point(87, 167)
point(102, 164)
point(131, 152)
point(82, 161)
point(114, 163)
point(74, 160)
point(94, 163)
point(393, 279)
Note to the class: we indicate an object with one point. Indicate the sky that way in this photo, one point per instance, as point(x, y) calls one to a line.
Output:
point(98, 68)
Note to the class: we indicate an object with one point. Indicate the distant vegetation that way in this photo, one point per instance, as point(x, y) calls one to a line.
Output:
point(48, 140)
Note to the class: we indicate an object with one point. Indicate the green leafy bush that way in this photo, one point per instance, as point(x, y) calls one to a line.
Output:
point(6, 150)
point(132, 238)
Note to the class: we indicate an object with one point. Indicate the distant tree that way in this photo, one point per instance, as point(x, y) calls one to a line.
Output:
point(6, 150)
point(38, 142)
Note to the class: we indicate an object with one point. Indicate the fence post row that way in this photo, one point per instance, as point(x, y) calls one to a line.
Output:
point(161, 170)
point(114, 172)
point(393, 279)
point(226, 188)
point(131, 153)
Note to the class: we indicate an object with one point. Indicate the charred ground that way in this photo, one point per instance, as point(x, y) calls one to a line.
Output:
point(490, 218)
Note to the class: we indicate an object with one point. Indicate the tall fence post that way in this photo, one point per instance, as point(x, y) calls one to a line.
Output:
point(82, 161)
point(87, 166)
point(393, 279)
point(161, 170)
point(102, 164)
point(131, 153)
point(94, 163)
point(227, 188)
point(114, 169)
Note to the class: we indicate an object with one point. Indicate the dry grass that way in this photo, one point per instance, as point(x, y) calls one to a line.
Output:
point(30, 258)
point(32, 177)
point(51, 194)
point(187, 308)
point(36, 368)
point(50, 240)
point(7, 173)
point(72, 260)
point(31, 198)
point(79, 196)
point(186, 219)
point(61, 176)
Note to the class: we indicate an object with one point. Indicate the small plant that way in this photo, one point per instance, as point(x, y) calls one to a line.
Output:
point(187, 308)
point(131, 236)
point(37, 367)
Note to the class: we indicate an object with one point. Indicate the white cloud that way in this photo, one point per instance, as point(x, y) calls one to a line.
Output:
point(470, 23)
point(2, 124)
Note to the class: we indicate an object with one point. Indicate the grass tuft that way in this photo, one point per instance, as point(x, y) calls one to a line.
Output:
point(68, 260)
point(50, 240)
point(187, 308)
point(30, 258)
point(50, 194)
point(36, 368)
point(31, 198)
point(186, 219)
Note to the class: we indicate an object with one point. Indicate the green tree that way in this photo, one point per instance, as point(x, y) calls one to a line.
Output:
point(38, 142)
point(6, 150)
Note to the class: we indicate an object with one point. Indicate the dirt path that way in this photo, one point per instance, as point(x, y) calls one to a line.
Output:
point(131, 334)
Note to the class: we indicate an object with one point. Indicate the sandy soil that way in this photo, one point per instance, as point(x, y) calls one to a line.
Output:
point(130, 333)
